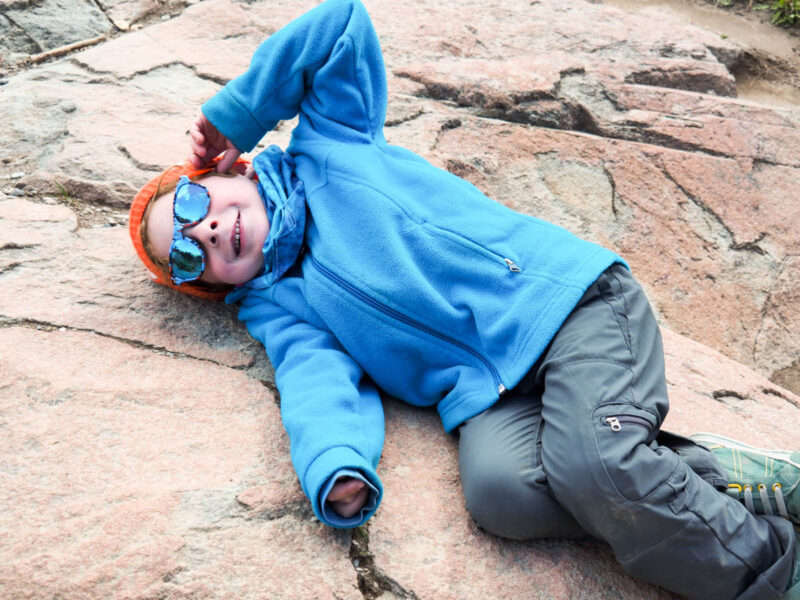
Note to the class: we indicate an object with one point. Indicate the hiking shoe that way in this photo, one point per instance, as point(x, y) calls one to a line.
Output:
point(767, 481)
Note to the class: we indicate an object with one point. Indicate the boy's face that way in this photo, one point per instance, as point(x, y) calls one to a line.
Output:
point(234, 200)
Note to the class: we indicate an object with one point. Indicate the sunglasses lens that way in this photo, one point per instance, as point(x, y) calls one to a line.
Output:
point(186, 260)
point(191, 203)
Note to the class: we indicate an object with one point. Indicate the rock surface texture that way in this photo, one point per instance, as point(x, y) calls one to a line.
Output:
point(143, 454)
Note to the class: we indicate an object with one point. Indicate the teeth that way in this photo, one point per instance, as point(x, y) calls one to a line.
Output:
point(236, 237)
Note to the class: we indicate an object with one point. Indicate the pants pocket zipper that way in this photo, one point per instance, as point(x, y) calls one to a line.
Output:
point(616, 422)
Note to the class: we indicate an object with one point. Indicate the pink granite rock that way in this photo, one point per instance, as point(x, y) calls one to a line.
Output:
point(56, 274)
point(144, 455)
point(122, 472)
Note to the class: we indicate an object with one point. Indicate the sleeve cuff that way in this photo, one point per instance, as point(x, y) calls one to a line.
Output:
point(336, 520)
point(321, 474)
point(234, 121)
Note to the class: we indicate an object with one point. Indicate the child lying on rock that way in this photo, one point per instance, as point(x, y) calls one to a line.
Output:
point(360, 267)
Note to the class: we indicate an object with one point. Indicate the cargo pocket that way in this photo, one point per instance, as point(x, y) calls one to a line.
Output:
point(624, 436)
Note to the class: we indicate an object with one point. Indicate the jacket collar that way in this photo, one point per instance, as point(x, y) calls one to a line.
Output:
point(285, 202)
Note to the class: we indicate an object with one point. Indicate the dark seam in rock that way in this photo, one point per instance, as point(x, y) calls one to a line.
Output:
point(613, 184)
point(137, 163)
point(22, 29)
point(207, 76)
point(15, 246)
point(404, 119)
point(719, 394)
point(371, 581)
point(749, 246)
point(160, 350)
point(102, 9)
point(300, 509)
point(782, 396)
point(772, 163)
point(10, 267)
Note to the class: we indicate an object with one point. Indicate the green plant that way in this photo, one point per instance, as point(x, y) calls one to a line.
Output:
point(785, 12)
point(66, 197)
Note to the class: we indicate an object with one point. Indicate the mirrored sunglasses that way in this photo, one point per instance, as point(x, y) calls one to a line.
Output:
point(187, 260)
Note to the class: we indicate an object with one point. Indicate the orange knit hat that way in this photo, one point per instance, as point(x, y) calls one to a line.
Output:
point(139, 205)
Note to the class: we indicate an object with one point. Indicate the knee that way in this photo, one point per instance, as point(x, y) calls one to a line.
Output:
point(613, 460)
point(513, 504)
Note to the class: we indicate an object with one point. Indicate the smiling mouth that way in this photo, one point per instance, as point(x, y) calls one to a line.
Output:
point(237, 248)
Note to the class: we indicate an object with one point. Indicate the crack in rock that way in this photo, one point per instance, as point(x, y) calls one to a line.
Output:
point(253, 370)
point(576, 103)
point(20, 30)
point(137, 163)
point(722, 394)
point(301, 510)
point(119, 79)
point(15, 246)
point(372, 583)
point(748, 246)
point(781, 395)
point(403, 119)
point(684, 78)
point(6, 321)
point(103, 10)
point(9, 267)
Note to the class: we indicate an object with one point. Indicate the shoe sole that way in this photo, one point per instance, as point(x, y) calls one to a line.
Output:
point(711, 440)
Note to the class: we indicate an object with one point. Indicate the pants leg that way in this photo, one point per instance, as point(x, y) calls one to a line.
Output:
point(604, 399)
point(504, 484)
point(503, 480)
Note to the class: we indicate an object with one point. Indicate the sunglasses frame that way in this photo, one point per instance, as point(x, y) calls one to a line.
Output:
point(177, 232)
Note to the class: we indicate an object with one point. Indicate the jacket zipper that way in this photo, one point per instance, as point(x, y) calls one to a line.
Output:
point(617, 421)
point(407, 320)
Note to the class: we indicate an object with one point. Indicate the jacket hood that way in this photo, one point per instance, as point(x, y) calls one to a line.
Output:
point(285, 201)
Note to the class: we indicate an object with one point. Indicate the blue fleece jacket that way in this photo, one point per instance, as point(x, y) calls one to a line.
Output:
point(408, 278)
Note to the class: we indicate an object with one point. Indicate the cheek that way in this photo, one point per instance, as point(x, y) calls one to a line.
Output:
point(219, 270)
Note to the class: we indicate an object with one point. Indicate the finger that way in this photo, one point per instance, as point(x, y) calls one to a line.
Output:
point(199, 122)
point(344, 488)
point(348, 509)
point(196, 135)
point(197, 148)
point(230, 156)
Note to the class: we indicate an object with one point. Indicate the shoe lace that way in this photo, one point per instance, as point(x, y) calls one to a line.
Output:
point(746, 491)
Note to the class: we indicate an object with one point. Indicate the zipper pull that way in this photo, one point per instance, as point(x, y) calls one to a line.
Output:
point(512, 266)
point(613, 422)
point(501, 389)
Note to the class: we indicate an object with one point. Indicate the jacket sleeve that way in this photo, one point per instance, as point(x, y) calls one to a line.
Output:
point(326, 66)
point(331, 411)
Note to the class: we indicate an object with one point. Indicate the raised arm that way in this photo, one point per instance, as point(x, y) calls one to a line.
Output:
point(333, 414)
point(325, 66)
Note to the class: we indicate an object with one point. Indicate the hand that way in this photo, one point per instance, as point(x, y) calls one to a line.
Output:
point(208, 143)
point(347, 496)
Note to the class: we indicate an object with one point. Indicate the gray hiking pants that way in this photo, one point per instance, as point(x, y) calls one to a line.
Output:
point(572, 450)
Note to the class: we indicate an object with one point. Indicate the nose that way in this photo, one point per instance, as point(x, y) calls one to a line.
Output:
point(206, 232)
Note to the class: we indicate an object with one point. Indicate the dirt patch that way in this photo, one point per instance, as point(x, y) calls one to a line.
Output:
point(768, 71)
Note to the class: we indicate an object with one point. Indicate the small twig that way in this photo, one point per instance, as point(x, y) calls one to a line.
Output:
point(61, 51)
